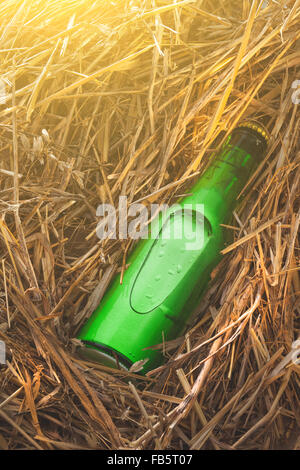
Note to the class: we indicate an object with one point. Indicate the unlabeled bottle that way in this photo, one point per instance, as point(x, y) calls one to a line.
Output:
point(169, 271)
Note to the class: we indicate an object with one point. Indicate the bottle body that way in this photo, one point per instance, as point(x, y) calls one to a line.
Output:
point(169, 271)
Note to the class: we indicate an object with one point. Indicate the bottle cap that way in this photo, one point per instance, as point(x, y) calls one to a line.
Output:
point(257, 127)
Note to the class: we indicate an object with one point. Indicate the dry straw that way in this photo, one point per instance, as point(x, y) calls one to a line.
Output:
point(102, 98)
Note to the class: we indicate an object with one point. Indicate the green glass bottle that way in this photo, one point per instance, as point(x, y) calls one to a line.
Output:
point(169, 271)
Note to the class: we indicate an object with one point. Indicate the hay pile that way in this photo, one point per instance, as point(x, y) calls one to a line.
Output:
point(102, 98)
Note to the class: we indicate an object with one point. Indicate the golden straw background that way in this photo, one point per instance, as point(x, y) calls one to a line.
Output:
point(106, 98)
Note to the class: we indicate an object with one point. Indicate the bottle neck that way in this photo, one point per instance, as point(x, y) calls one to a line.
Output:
point(230, 170)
